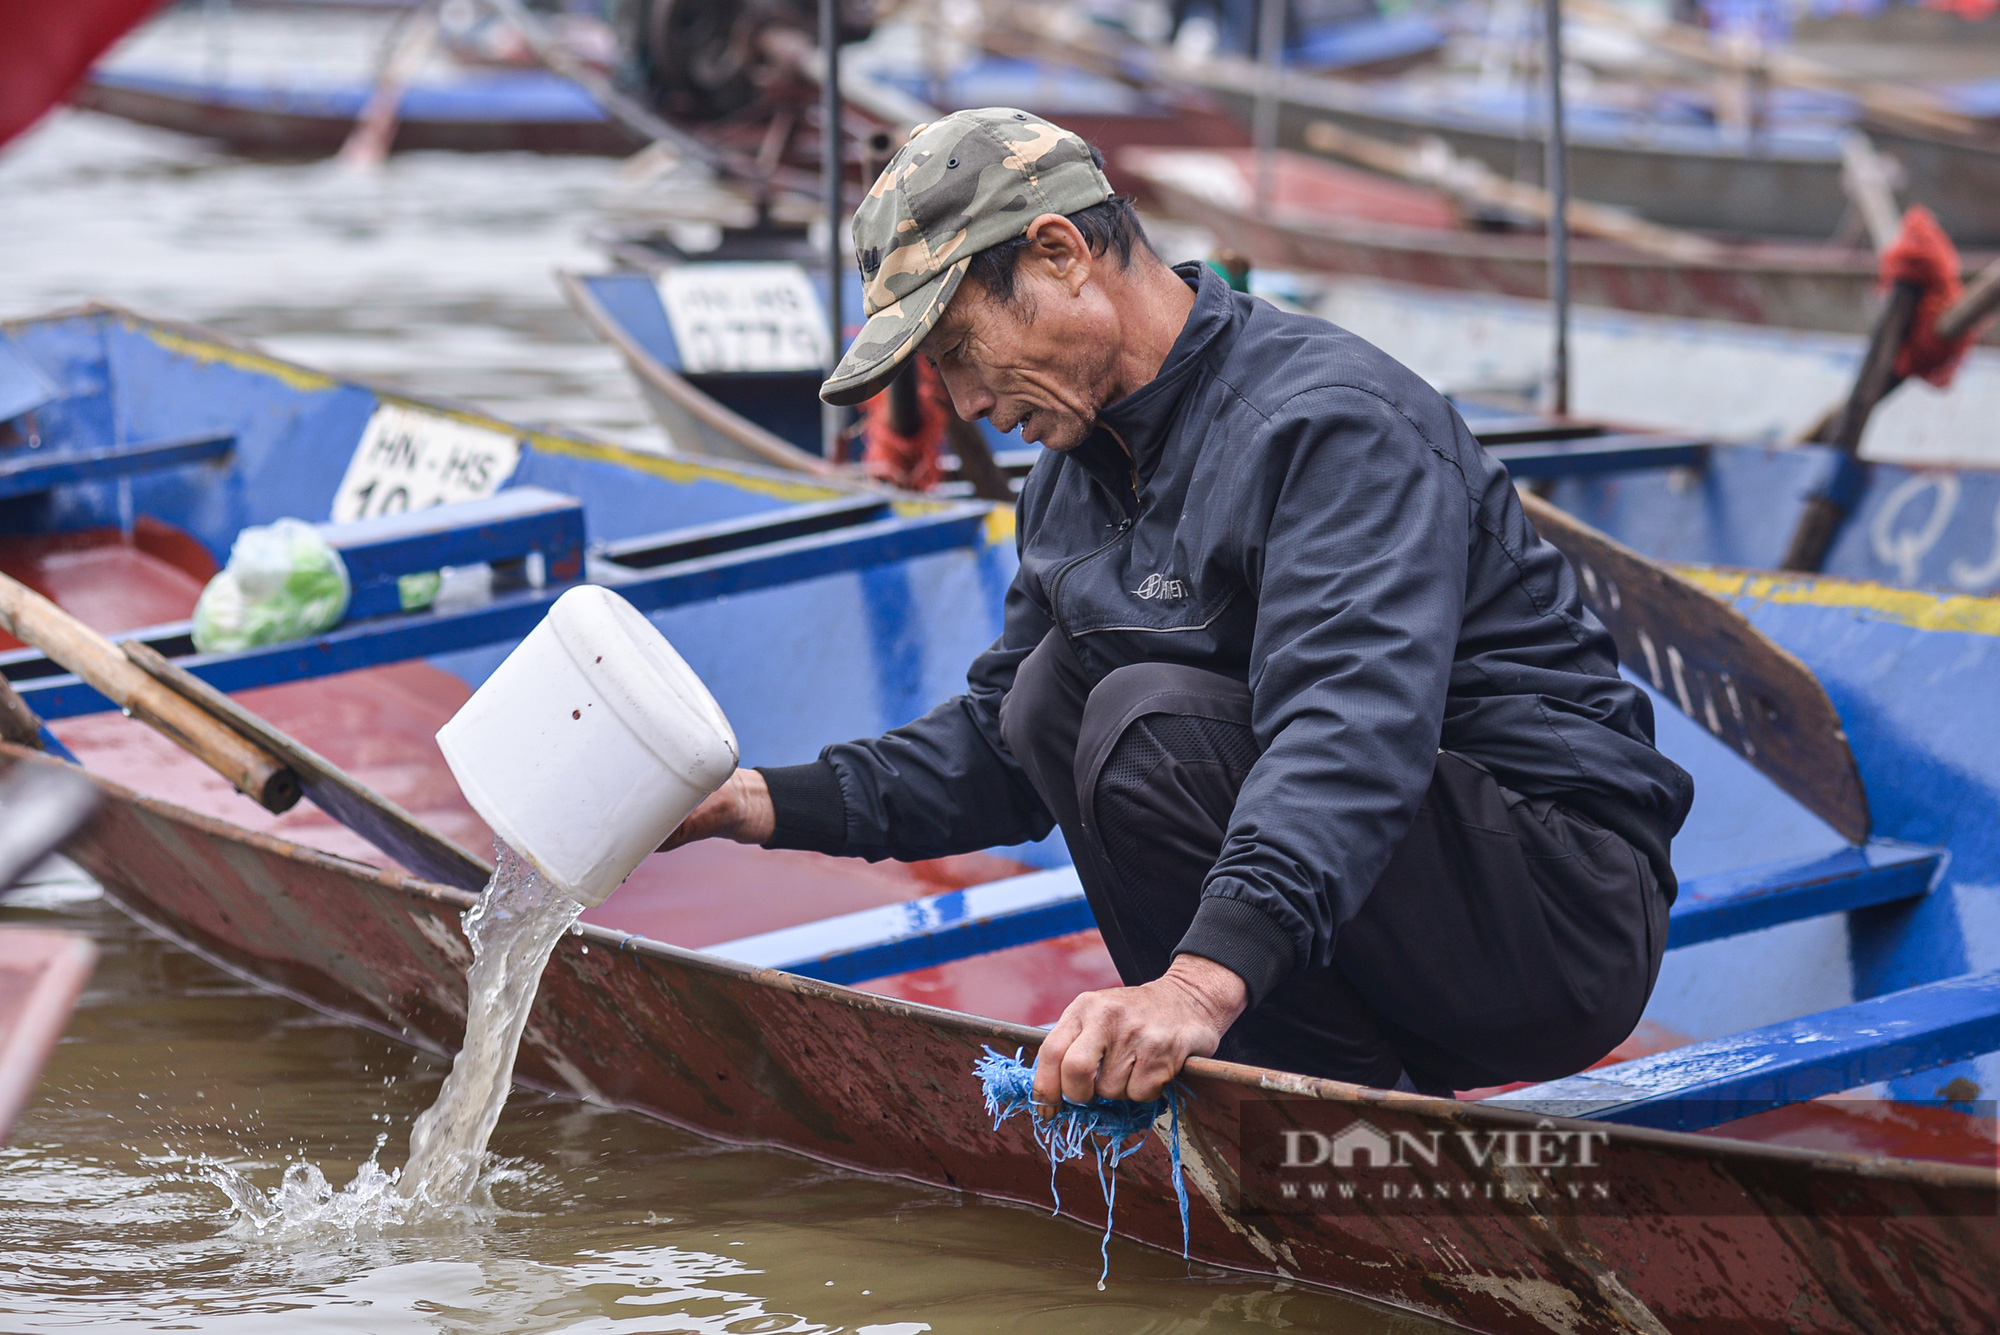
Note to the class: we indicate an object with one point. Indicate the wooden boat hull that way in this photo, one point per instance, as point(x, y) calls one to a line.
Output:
point(1781, 185)
point(273, 124)
point(1797, 287)
point(1727, 1235)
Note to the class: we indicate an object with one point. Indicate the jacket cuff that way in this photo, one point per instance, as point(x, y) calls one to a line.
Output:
point(1243, 940)
point(811, 813)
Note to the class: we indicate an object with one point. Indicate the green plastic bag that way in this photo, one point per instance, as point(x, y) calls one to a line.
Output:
point(283, 582)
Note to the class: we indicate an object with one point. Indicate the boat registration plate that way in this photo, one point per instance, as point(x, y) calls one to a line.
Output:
point(745, 316)
point(409, 459)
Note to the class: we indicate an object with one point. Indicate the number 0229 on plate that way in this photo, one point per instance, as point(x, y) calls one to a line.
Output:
point(409, 459)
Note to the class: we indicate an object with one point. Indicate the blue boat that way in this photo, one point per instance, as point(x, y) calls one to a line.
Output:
point(1838, 927)
point(482, 111)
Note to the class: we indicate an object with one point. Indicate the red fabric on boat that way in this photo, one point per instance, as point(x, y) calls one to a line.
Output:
point(48, 46)
point(909, 462)
point(1923, 256)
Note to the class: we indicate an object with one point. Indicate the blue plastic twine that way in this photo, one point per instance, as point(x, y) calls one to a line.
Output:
point(1111, 1130)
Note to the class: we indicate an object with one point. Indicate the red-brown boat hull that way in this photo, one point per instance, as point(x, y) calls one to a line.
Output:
point(1710, 1234)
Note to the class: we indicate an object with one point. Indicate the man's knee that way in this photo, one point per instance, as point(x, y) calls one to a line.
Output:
point(1145, 715)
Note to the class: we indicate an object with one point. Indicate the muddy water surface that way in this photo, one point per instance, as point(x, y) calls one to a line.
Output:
point(601, 1221)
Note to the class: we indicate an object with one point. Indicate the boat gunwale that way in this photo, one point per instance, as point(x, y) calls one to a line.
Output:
point(1922, 1173)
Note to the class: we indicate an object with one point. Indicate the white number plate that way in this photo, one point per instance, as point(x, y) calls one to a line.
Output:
point(410, 460)
point(742, 316)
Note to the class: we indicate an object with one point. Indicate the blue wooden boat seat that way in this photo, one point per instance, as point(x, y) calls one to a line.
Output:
point(27, 472)
point(1536, 448)
point(1706, 1084)
point(507, 527)
point(940, 928)
point(1587, 456)
point(780, 547)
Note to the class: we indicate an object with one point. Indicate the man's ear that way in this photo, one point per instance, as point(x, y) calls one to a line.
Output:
point(1060, 251)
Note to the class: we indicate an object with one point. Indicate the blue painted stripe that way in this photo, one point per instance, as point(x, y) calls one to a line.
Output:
point(936, 929)
point(1706, 1084)
point(511, 616)
point(25, 475)
point(1731, 903)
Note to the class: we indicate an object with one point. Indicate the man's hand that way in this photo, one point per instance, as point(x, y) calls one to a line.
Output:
point(741, 810)
point(1129, 1042)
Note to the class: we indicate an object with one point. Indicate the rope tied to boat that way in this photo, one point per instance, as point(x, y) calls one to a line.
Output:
point(1110, 1130)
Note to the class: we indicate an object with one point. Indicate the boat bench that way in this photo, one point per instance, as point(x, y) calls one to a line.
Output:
point(693, 564)
point(1709, 1083)
point(1537, 448)
point(28, 472)
point(938, 929)
point(503, 529)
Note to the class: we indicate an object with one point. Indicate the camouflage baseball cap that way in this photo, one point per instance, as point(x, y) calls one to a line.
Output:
point(962, 184)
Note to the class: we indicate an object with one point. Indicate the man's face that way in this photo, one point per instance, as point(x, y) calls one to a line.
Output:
point(1042, 362)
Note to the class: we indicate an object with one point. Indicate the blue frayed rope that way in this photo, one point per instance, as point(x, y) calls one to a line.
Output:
point(1111, 1130)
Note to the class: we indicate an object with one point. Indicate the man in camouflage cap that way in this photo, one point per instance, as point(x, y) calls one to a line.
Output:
point(960, 186)
point(1347, 770)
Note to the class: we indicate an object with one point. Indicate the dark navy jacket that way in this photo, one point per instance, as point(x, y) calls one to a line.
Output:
point(1312, 519)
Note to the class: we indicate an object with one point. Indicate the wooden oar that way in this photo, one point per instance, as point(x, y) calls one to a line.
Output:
point(360, 808)
point(1431, 162)
point(1842, 428)
point(1705, 656)
point(255, 772)
point(261, 761)
point(375, 128)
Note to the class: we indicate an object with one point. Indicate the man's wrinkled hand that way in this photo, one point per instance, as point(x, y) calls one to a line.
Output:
point(740, 809)
point(1129, 1042)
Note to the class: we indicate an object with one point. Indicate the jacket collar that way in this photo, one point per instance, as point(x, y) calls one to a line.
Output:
point(1144, 419)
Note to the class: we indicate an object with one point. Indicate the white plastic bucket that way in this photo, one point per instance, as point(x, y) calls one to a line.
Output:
point(589, 744)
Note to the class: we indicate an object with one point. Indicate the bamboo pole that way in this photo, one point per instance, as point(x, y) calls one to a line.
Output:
point(1431, 162)
point(253, 771)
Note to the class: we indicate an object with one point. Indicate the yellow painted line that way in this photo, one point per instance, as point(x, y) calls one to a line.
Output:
point(680, 469)
point(201, 350)
point(1000, 526)
point(1961, 612)
point(673, 469)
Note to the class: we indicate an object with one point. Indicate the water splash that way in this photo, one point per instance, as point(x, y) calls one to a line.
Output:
point(513, 929)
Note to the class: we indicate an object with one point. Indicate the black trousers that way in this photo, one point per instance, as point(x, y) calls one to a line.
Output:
point(1509, 938)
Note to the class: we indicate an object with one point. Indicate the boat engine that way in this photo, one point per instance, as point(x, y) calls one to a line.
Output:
point(705, 60)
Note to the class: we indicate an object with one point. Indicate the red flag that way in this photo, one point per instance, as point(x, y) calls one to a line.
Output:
point(47, 46)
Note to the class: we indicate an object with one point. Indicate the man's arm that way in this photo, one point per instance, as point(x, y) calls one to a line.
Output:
point(1361, 596)
point(941, 785)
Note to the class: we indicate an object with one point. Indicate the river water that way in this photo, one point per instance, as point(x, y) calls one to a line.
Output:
point(433, 275)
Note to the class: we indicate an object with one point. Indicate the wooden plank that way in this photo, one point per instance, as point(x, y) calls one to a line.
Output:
point(1882, 871)
point(506, 526)
point(1586, 456)
point(25, 476)
point(936, 929)
point(1699, 652)
point(1706, 1084)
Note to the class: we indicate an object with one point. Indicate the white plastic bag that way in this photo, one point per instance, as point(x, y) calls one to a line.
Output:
point(283, 582)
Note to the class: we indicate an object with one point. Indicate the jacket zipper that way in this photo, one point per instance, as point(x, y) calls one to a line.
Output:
point(1056, 580)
